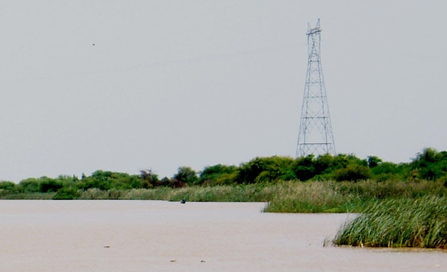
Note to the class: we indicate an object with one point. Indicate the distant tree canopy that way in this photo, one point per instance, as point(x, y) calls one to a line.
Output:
point(186, 175)
point(218, 174)
point(430, 164)
point(427, 165)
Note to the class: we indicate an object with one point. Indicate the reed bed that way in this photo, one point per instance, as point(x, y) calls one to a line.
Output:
point(226, 193)
point(28, 196)
point(404, 222)
point(285, 196)
point(313, 197)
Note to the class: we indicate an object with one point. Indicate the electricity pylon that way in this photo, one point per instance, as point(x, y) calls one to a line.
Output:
point(315, 134)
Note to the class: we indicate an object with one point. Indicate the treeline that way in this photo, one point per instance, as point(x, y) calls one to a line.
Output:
point(428, 165)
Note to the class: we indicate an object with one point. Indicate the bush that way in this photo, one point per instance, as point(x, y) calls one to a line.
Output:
point(353, 172)
point(7, 186)
point(50, 185)
point(66, 194)
point(30, 185)
point(219, 173)
point(266, 170)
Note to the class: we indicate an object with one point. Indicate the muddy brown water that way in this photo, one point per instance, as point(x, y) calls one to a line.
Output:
point(168, 236)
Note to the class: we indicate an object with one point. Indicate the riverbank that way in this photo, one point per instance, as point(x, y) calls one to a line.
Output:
point(283, 197)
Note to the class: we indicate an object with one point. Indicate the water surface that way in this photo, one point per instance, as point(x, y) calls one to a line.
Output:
point(166, 236)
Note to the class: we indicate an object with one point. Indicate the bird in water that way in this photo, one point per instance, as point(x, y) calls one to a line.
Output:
point(183, 201)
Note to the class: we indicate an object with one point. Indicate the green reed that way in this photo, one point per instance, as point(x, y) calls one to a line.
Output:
point(404, 222)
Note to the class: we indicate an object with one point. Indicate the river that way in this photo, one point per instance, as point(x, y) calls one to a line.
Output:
point(169, 236)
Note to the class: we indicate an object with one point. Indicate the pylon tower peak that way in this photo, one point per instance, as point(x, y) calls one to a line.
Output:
point(315, 132)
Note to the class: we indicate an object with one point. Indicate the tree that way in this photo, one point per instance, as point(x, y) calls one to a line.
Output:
point(266, 169)
point(218, 172)
point(7, 187)
point(324, 164)
point(374, 161)
point(430, 164)
point(50, 185)
point(148, 179)
point(30, 185)
point(305, 167)
point(186, 175)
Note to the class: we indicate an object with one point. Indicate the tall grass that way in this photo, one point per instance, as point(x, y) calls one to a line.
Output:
point(391, 189)
point(224, 193)
point(312, 197)
point(28, 196)
point(403, 222)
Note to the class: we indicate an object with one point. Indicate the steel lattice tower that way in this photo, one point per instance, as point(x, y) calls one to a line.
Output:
point(315, 134)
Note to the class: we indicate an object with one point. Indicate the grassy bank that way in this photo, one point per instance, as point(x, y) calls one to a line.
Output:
point(420, 222)
point(287, 196)
point(27, 196)
point(223, 193)
point(342, 197)
point(239, 193)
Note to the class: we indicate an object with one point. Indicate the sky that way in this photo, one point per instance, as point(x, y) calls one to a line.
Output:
point(132, 85)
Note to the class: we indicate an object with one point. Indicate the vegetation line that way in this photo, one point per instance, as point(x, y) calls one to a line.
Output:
point(429, 165)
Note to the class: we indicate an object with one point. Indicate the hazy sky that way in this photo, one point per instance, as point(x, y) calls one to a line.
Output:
point(131, 85)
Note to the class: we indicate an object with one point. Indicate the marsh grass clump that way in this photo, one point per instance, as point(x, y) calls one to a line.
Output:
point(342, 197)
point(313, 197)
point(370, 189)
point(403, 222)
point(223, 193)
point(28, 196)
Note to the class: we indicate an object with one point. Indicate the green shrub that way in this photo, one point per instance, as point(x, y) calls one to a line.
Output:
point(30, 185)
point(352, 172)
point(223, 173)
point(7, 187)
point(266, 169)
point(66, 194)
point(50, 185)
